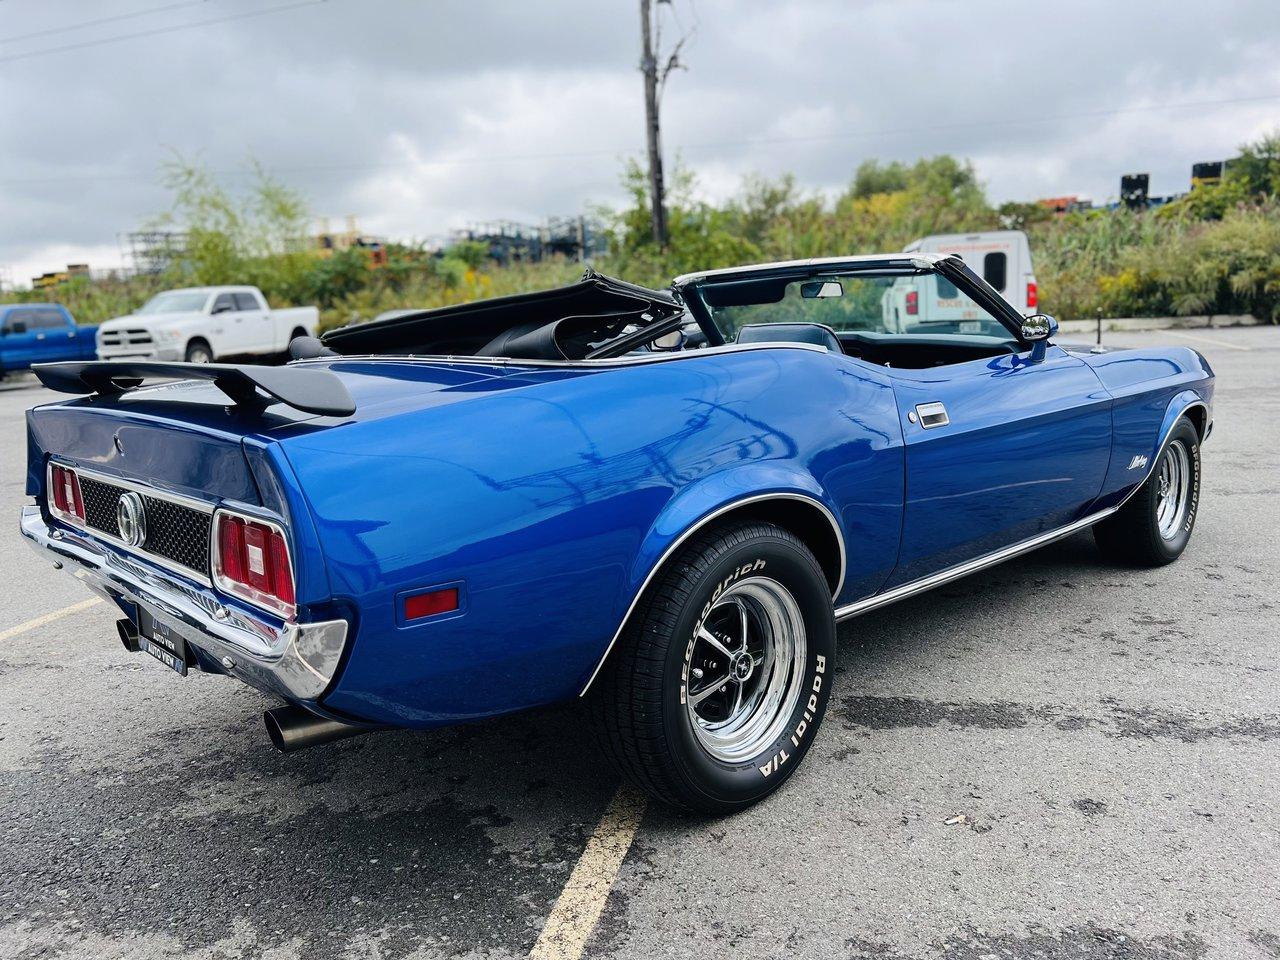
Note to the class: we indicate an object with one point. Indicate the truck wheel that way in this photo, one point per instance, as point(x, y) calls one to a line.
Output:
point(1153, 528)
point(721, 676)
point(199, 352)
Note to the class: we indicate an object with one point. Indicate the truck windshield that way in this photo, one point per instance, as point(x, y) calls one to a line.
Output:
point(175, 301)
point(923, 303)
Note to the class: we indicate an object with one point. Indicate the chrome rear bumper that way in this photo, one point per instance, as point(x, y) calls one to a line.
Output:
point(293, 660)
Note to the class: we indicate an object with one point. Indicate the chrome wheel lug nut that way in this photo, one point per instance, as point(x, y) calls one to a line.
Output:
point(697, 673)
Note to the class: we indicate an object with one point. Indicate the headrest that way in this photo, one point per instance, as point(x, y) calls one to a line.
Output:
point(308, 348)
point(814, 333)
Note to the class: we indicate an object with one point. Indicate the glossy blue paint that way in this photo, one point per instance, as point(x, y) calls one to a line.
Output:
point(550, 493)
point(1025, 450)
point(1151, 388)
point(554, 493)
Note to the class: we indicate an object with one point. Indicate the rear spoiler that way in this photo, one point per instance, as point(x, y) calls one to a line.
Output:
point(307, 389)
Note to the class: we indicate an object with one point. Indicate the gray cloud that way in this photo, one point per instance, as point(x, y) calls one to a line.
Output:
point(419, 116)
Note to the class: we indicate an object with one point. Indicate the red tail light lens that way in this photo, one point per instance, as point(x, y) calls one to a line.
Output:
point(1032, 296)
point(231, 548)
point(252, 562)
point(913, 303)
point(64, 497)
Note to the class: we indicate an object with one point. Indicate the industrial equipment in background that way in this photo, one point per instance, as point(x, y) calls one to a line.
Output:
point(326, 242)
point(574, 238)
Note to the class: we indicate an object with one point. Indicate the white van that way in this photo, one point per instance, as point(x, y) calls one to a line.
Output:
point(1001, 257)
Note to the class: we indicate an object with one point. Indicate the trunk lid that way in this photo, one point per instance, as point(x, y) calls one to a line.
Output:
point(188, 436)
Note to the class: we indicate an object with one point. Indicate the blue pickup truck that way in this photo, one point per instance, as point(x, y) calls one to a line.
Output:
point(40, 333)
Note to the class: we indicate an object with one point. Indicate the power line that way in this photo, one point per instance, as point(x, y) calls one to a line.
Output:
point(705, 145)
point(85, 24)
point(159, 30)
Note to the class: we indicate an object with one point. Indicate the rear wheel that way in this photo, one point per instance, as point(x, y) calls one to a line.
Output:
point(722, 674)
point(199, 352)
point(1154, 527)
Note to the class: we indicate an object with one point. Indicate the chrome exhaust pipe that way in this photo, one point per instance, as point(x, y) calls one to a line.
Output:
point(292, 728)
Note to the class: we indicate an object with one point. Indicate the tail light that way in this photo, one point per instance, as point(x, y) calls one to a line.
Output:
point(63, 494)
point(251, 561)
point(913, 303)
point(1032, 296)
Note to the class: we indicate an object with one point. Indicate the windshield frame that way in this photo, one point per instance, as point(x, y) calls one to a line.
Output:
point(690, 287)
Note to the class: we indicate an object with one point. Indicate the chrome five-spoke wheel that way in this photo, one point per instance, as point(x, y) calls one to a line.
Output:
point(746, 671)
point(1174, 489)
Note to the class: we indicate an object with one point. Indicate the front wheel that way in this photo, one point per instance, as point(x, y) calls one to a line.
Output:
point(722, 674)
point(1154, 527)
point(199, 352)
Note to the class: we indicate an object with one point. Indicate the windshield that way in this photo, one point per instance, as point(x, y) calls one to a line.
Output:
point(920, 303)
point(175, 301)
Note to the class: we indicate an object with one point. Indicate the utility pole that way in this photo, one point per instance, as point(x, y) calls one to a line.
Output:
point(655, 81)
point(649, 67)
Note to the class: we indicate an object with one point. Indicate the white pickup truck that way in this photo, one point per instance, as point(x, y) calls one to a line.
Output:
point(203, 324)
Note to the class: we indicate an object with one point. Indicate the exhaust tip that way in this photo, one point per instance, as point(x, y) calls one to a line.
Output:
point(272, 723)
point(128, 634)
point(293, 728)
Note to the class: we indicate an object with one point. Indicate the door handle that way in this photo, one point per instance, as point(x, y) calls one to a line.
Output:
point(932, 415)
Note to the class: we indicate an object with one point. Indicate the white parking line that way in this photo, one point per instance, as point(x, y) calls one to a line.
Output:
point(49, 618)
point(580, 904)
point(1216, 343)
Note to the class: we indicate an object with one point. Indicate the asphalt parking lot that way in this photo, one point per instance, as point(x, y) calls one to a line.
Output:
point(1051, 759)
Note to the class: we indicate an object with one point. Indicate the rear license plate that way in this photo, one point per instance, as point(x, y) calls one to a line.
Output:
point(970, 326)
point(162, 641)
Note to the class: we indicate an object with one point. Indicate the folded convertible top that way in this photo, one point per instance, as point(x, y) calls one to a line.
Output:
point(308, 389)
point(501, 326)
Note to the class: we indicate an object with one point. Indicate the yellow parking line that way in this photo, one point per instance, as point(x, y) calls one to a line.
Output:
point(49, 618)
point(580, 904)
point(1198, 339)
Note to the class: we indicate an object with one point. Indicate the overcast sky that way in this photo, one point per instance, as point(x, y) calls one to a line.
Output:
point(418, 116)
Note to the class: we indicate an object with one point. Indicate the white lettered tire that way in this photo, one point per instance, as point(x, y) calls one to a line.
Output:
point(721, 677)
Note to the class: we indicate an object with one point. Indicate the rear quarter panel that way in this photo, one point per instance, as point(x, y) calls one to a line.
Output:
point(548, 496)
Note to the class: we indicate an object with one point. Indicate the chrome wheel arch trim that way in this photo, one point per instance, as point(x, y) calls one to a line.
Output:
point(694, 528)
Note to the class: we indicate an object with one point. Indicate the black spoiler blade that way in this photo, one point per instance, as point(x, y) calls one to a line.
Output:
point(307, 389)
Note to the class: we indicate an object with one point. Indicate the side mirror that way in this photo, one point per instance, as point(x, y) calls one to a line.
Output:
point(1036, 330)
point(222, 308)
point(669, 342)
point(16, 327)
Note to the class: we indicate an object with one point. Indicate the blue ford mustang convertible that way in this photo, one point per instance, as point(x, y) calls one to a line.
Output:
point(661, 502)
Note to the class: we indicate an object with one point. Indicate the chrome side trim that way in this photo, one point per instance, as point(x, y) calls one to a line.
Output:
point(675, 545)
point(971, 566)
point(293, 660)
point(1006, 553)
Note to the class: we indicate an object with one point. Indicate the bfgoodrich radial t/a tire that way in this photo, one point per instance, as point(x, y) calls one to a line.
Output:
point(721, 677)
point(1153, 528)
